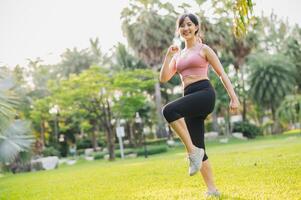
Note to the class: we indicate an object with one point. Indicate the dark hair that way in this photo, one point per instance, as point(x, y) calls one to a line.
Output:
point(192, 17)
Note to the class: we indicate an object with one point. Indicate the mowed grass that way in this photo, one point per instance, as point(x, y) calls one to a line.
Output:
point(264, 168)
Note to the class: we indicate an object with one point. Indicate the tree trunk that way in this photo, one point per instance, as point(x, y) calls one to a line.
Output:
point(94, 136)
point(244, 104)
point(170, 134)
point(276, 124)
point(161, 132)
point(110, 141)
point(228, 123)
point(42, 134)
point(130, 134)
point(214, 121)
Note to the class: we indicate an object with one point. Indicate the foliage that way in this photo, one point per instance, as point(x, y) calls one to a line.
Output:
point(152, 150)
point(290, 109)
point(91, 100)
point(99, 155)
point(84, 144)
point(125, 152)
point(133, 87)
point(14, 137)
point(242, 17)
point(124, 60)
point(149, 33)
point(249, 130)
point(50, 151)
point(293, 50)
point(160, 141)
point(75, 61)
point(272, 32)
point(271, 78)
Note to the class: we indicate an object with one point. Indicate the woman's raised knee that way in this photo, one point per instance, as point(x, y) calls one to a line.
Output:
point(170, 113)
point(167, 110)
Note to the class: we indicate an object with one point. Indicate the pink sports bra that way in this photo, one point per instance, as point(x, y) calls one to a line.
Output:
point(191, 62)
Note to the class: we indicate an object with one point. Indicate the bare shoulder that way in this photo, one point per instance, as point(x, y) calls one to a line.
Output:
point(207, 51)
point(206, 48)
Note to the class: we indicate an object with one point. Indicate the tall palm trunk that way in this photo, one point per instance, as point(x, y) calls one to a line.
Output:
point(214, 121)
point(161, 132)
point(244, 101)
point(238, 67)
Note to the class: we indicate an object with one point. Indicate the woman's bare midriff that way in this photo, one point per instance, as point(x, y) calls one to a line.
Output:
point(191, 79)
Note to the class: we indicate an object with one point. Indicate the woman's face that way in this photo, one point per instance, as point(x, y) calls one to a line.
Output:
point(187, 29)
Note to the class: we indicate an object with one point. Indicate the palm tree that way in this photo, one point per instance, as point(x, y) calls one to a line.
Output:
point(125, 60)
point(149, 34)
point(13, 133)
point(238, 43)
point(271, 79)
point(293, 50)
point(290, 109)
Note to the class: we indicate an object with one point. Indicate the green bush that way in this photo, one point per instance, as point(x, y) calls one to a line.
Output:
point(84, 144)
point(247, 129)
point(152, 150)
point(208, 125)
point(125, 151)
point(101, 143)
point(140, 152)
point(99, 155)
point(80, 151)
point(156, 141)
point(50, 151)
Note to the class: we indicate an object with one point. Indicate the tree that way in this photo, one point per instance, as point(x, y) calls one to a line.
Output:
point(74, 61)
point(290, 109)
point(14, 137)
point(293, 50)
point(134, 87)
point(238, 44)
point(273, 31)
point(39, 116)
point(149, 34)
point(88, 93)
point(124, 60)
point(242, 10)
point(271, 79)
point(100, 97)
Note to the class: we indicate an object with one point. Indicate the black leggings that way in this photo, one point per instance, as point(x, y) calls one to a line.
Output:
point(198, 101)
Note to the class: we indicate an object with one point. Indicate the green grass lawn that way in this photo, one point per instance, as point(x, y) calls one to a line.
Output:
point(264, 168)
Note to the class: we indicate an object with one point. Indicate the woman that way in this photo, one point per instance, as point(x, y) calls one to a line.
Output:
point(186, 115)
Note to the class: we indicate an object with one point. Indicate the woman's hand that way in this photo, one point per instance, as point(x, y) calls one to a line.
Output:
point(172, 49)
point(234, 105)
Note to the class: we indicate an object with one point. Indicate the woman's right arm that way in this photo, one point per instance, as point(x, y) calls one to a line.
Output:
point(168, 67)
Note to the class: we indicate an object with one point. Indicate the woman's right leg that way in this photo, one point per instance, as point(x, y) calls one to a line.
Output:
point(174, 113)
point(195, 154)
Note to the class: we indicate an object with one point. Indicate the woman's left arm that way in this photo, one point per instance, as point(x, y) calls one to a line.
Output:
point(219, 70)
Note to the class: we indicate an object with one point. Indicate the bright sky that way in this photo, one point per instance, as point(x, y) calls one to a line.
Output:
point(35, 28)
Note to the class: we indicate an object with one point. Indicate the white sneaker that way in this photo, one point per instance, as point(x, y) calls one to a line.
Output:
point(215, 193)
point(195, 160)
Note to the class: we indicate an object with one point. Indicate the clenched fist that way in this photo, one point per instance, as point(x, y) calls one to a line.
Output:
point(172, 49)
